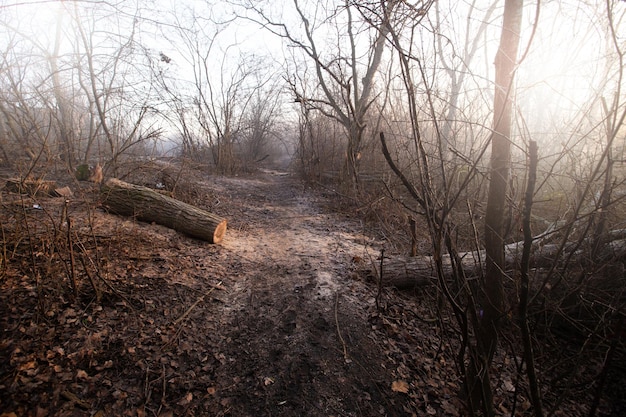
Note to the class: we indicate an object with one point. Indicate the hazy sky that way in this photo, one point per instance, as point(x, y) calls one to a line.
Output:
point(564, 68)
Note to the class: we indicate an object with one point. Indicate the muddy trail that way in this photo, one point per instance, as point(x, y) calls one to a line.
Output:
point(274, 321)
point(299, 320)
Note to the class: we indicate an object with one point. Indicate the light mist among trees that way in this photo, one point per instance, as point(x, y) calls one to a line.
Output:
point(429, 100)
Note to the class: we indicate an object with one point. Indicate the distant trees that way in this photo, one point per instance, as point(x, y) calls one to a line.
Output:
point(343, 43)
point(86, 84)
point(76, 81)
point(225, 107)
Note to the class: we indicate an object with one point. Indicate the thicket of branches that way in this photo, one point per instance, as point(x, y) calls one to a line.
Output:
point(438, 101)
point(86, 84)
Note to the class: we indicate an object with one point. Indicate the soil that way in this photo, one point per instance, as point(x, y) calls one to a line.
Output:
point(274, 321)
point(277, 320)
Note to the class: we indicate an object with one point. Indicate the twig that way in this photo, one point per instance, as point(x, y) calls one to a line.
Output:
point(533, 383)
point(380, 278)
point(343, 342)
point(91, 280)
point(147, 392)
point(4, 261)
point(73, 398)
point(198, 301)
point(31, 251)
point(81, 246)
point(413, 228)
point(70, 247)
point(162, 392)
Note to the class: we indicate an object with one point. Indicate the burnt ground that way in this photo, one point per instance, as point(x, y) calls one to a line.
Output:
point(274, 321)
point(271, 322)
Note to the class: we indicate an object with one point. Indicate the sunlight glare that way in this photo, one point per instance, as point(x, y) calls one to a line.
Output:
point(567, 64)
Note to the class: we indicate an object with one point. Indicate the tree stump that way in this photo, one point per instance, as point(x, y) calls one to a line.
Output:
point(148, 205)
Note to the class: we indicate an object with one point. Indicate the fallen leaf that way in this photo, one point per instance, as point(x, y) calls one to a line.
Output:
point(119, 395)
point(433, 383)
point(211, 390)
point(400, 386)
point(508, 385)
point(26, 366)
point(449, 408)
point(186, 399)
point(81, 374)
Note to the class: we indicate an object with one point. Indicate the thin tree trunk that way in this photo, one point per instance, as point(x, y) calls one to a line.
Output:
point(529, 355)
point(493, 302)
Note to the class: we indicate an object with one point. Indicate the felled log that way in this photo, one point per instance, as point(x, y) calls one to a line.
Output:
point(32, 187)
point(411, 272)
point(148, 205)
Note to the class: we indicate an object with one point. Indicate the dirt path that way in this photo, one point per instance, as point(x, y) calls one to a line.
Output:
point(272, 322)
point(297, 338)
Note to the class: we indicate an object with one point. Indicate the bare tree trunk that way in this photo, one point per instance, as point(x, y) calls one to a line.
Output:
point(493, 302)
point(64, 142)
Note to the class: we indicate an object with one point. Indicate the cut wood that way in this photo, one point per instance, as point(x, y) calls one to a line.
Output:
point(410, 272)
point(32, 187)
point(148, 205)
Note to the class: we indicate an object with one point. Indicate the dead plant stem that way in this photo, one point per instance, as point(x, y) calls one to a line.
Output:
point(198, 301)
point(343, 342)
point(70, 247)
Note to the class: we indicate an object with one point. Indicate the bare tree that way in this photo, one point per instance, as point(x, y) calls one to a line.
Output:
point(110, 84)
point(86, 86)
point(260, 124)
point(345, 72)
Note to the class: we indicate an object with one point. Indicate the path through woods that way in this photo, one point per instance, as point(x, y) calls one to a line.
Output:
point(298, 319)
point(272, 322)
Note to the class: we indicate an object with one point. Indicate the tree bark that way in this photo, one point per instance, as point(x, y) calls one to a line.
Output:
point(32, 187)
point(148, 205)
point(410, 272)
point(480, 389)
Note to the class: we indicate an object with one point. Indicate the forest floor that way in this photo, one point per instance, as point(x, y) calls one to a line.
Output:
point(271, 322)
point(274, 321)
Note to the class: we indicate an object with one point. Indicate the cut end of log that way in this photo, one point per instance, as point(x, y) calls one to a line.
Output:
point(220, 231)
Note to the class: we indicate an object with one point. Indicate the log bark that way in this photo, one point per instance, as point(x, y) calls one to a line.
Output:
point(32, 187)
point(419, 271)
point(148, 205)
